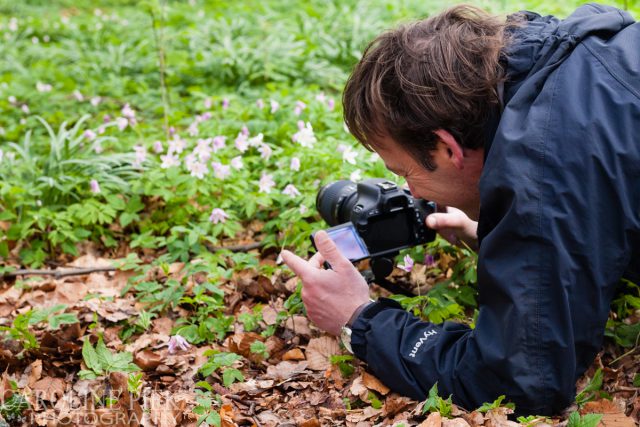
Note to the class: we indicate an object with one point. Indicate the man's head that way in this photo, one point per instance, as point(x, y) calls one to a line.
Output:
point(438, 73)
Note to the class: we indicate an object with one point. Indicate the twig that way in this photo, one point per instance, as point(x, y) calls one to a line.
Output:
point(58, 273)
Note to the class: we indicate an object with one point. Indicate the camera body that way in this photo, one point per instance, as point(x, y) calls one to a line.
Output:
point(385, 217)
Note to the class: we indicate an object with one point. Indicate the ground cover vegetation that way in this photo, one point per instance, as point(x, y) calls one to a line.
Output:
point(155, 157)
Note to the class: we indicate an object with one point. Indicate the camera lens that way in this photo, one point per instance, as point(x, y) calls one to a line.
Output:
point(335, 201)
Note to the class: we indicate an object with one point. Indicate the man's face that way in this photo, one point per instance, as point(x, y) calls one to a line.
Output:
point(453, 183)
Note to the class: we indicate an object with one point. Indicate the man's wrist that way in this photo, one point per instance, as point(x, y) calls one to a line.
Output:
point(357, 312)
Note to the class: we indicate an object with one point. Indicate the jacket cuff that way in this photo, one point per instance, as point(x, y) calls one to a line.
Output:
point(361, 324)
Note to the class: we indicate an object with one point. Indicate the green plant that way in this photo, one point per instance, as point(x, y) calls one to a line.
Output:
point(587, 420)
point(20, 328)
point(134, 383)
point(593, 390)
point(12, 408)
point(496, 404)
point(344, 363)
point(204, 409)
point(259, 348)
point(222, 361)
point(101, 361)
point(435, 403)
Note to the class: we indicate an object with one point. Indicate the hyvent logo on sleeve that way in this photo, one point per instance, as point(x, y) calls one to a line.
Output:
point(421, 341)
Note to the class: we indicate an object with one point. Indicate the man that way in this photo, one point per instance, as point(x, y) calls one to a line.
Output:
point(529, 128)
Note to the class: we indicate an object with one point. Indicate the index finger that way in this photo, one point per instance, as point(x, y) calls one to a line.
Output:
point(299, 266)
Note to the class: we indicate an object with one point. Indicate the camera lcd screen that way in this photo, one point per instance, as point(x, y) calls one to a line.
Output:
point(390, 231)
point(348, 241)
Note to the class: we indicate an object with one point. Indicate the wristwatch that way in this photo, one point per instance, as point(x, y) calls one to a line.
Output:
point(345, 331)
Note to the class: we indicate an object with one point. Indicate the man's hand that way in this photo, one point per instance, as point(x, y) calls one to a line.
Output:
point(330, 296)
point(455, 226)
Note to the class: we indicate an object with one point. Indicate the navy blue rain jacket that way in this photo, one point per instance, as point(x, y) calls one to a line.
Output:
point(559, 226)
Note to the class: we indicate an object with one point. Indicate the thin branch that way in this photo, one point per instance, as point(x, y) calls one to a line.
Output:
point(58, 273)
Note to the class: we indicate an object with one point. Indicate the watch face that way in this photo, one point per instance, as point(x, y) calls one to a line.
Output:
point(345, 337)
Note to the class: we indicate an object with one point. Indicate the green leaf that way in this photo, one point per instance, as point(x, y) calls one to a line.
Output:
point(587, 420)
point(231, 375)
point(90, 357)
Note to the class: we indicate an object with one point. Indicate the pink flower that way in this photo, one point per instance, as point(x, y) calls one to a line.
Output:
point(275, 106)
point(95, 101)
point(89, 134)
point(291, 190)
point(218, 215)
point(225, 103)
point(193, 130)
point(266, 183)
point(94, 186)
point(218, 143)
point(303, 209)
point(157, 147)
point(295, 164)
point(25, 108)
point(320, 97)
point(177, 343)
point(128, 112)
point(169, 160)
point(198, 169)
point(141, 155)
point(43, 87)
point(260, 104)
point(256, 141)
point(78, 96)
point(202, 150)
point(244, 130)
point(408, 264)
point(300, 124)
point(299, 107)
point(207, 103)
point(122, 123)
point(236, 162)
point(177, 145)
point(305, 136)
point(106, 118)
point(205, 116)
point(220, 171)
point(331, 104)
point(242, 143)
point(429, 261)
point(265, 151)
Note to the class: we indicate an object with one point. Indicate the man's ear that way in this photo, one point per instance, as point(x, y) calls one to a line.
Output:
point(454, 150)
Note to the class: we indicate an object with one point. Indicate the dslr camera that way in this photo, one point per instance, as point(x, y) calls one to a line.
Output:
point(373, 219)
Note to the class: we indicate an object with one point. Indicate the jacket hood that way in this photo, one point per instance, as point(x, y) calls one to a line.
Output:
point(542, 42)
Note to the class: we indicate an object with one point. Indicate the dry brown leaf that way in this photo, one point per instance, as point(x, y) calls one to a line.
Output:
point(6, 390)
point(147, 360)
point(313, 422)
point(459, 422)
point(285, 370)
point(90, 261)
point(394, 404)
point(227, 416)
point(373, 383)
point(49, 388)
point(162, 325)
point(293, 354)
point(497, 417)
point(433, 420)
point(319, 350)
point(35, 373)
point(612, 414)
point(474, 418)
point(299, 325)
point(358, 389)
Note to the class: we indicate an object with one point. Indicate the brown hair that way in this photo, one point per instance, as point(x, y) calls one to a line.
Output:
point(438, 73)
